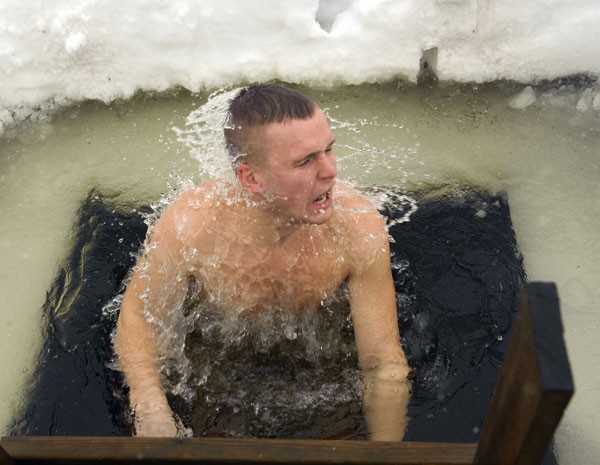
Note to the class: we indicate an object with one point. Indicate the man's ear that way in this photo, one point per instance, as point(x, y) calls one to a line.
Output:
point(249, 179)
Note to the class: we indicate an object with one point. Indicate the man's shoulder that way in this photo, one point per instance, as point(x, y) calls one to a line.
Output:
point(196, 202)
point(193, 209)
point(204, 194)
point(357, 211)
point(365, 227)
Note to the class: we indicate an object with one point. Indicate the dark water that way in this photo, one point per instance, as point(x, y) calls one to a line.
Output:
point(276, 375)
point(458, 275)
point(73, 391)
point(457, 302)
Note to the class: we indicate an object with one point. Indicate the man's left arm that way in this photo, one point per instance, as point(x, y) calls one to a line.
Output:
point(381, 358)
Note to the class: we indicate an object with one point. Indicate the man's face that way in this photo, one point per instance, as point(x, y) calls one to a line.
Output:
point(298, 169)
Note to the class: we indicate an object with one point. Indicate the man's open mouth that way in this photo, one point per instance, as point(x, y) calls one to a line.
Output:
point(322, 198)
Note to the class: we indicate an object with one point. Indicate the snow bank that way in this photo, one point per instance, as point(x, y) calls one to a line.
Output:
point(68, 50)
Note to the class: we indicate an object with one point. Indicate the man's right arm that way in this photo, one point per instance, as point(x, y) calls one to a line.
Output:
point(156, 290)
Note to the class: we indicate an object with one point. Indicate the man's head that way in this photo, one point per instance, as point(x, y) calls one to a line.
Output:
point(282, 149)
point(256, 107)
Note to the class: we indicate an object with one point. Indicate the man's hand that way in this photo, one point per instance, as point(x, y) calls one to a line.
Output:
point(154, 420)
point(385, 401)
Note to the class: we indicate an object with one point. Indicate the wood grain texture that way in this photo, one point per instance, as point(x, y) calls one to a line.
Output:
point(534, 386)
point(86, 450)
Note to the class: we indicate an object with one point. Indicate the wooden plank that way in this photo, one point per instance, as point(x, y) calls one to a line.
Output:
point(5, 459)
point(125, 450)
point(534, 386)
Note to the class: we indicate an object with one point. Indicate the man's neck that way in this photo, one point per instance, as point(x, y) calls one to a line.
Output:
point(273, 226)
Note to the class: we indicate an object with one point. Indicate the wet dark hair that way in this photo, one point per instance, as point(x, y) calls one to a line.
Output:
point(259, 105)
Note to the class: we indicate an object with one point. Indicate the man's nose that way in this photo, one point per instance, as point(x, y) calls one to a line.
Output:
point(327, 167)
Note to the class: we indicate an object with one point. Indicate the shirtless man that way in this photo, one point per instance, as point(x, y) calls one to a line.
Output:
point(298, 238)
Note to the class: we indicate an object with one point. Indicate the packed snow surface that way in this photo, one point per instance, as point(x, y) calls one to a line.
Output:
point(69, 50)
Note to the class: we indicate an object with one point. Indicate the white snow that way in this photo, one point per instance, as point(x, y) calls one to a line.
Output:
point(75, 41)
point(65, 50)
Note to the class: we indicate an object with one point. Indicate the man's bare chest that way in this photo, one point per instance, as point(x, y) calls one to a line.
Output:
point(245, 277)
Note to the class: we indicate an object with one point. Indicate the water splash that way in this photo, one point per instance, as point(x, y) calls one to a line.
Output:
point(404, 203)
point(304, 367)
point(203, 135)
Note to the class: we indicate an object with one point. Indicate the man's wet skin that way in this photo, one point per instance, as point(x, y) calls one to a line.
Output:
point(271, 254)
point(247, 268)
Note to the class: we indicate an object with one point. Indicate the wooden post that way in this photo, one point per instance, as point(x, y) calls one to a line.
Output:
point(5, 459)
point(534, 386)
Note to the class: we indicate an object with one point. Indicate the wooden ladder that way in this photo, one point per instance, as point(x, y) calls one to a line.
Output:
point(533, 389)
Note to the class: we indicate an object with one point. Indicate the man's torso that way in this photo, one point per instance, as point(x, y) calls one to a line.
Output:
point(244, 269)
